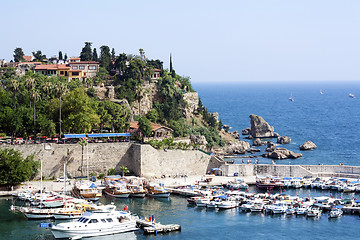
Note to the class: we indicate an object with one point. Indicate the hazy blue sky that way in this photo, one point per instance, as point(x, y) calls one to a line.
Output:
point(211, 41)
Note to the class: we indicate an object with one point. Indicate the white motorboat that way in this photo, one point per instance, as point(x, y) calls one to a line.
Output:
point(203, 202)
point(96, 223)
point(257, 207)
point(279, 208)
point(313, 212)
point(290, 211)
point(335, 212)
point(301, 210)
point(351, 95)
point(246, 207)
point(296, 183)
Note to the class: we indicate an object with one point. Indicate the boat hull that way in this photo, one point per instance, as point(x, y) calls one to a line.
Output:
point(120, 228)
point(160, 195)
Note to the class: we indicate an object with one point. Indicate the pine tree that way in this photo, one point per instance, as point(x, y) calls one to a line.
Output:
point(86, 52)
point(113, 54)
point(65, 57)
point(60, 55)
point(171, 69)
point(95, 55)
point(18, 55)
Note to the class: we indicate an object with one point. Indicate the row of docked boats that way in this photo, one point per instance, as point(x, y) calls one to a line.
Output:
point(272, 203)
point(338, 184)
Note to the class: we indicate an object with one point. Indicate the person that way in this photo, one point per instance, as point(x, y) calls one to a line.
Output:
point(243, 161)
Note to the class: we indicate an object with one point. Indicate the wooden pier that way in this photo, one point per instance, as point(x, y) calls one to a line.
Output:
point(150, 227)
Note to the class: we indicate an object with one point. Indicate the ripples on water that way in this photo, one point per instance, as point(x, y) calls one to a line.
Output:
point(331, 120)
point(203, 223)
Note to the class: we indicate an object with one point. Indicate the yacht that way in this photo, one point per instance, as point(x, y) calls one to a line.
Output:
point(313, 212)
point(301, 210)
point(96, 223)
point(335, 212)
point(351, 95)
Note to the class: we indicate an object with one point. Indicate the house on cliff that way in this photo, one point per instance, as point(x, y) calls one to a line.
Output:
point(158, 131)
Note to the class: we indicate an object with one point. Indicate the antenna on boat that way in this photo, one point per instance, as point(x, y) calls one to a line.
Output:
point(41, 190)
point(87, 159)
point(65, 184)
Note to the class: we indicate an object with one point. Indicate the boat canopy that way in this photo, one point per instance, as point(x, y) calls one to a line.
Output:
point(287, 178)
point(95, 135)
point(74, 135)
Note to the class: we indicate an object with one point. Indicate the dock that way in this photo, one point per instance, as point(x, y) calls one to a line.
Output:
point(150, 227)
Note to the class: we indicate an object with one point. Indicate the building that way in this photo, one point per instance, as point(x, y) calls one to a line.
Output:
point(75, 69)
point(158, 131)
point(28, 58)
point(156, 74)
point(22, 67)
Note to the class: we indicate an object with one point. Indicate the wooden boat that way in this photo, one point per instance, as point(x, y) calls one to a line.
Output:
point(265, 183)
point(158, 191)
point(87, 190)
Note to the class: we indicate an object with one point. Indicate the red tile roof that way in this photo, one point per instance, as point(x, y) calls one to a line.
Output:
point(28, 58)
point(84, 62)
point(51, 67)
point(157, 70)
point(75, 58)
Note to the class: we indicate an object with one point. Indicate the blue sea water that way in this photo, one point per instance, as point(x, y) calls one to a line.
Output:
point(331, 120)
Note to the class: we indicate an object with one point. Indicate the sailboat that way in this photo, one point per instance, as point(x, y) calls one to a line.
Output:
point(321, 92)
point(351, 95)
point(291, 99)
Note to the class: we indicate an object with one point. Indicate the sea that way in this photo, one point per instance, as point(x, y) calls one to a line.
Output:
point(331, 120)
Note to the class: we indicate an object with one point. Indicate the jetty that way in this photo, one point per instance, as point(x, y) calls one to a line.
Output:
point(152, 227)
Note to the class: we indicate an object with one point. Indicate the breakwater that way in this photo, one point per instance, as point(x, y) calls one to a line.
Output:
point(246, 170)
point(140, 159)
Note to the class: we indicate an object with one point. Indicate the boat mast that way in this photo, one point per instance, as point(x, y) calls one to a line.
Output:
point(65, 184)
point(87, 160)
point(41, 189)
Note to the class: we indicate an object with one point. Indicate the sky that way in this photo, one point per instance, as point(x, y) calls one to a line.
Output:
point(210, 41)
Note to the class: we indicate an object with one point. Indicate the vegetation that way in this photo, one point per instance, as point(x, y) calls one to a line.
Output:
point(38, 105)
point(15, 169)
point(124, 170)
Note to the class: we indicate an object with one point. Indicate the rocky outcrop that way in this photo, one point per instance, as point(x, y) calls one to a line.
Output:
point(258, 142)
point(246, 131)
point(198, 140)
point(283, 140)
point(239, 147)
point(216, 116)
point(282, 153)
point(270, 147)
point(260, 128)
point(308, 145)
point(192, 103)
point(235, 134)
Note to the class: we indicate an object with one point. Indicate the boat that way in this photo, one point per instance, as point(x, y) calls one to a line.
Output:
point(290, 211)
point(291, 99)
point(313, 212)
point(87, 190)
point(321, 92)
point(351, 95)
point(246, 207)
point(96, 223)
point(301, 210)
point(257, 207)
point(158, 191)
point(203, 202)
point(335, 212)
point(115, 187)
point(279, 208)
point(265, 183)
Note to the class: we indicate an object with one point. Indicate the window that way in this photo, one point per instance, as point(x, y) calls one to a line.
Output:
point(92, 67)
point(61, 72)
point(81, 67)
point(94, 221)
point(75, 73)
point(74, 67)
point(109, 220)
point(103, 220)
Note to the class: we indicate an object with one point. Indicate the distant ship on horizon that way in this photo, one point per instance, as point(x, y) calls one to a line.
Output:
point(321, 92)
point(351, 95)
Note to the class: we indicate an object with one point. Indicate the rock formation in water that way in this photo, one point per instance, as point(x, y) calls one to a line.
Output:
point(238, 147)
point(270, 147)
point(260, 128)
point(258, 142)
point(235, 134)
point(308, 145)
point(282, 153)
point(246, 131)
point(283, 140)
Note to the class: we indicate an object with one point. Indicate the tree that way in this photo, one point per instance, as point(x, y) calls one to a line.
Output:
point(105, 57)
point(60, 91)
point(171, 67)
point(35, 96)
point(145, 126)
point(38, 56)
point(18, 55)
point(139, 94)
point(113, 54)
point(65, 57)
point(47, 87)
point(82, 143)
point(95, 55)
point(124, 170)
point(142, 53)
point(15, 87)
point(14, 169)
point(153, 115)
point(86, 52)
point(60, 55)
point(120, 63)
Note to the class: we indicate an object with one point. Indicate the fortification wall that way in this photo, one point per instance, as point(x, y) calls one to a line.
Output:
point(142, 160)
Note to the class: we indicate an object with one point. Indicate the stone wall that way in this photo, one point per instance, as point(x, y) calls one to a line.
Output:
point(140, 159)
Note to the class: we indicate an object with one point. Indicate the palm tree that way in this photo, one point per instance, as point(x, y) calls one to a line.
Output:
point(60, 90)
point(124, 170)
point(82, 143)
point(35, 96)
point(47, 88)
point(15, 87)
point(29, 84)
